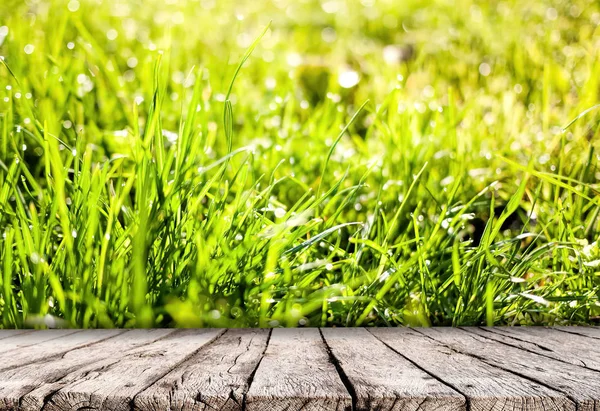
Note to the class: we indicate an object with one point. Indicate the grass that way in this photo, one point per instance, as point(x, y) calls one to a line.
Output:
point(357, 163)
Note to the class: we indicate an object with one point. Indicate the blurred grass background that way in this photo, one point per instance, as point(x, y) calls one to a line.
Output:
point(373, 163)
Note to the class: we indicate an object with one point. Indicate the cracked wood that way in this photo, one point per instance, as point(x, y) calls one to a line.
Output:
point(486, 387)
point(112, 383)
point(470, 369)
point(32, 347)
point(217, 377)
point(578, 383)
point(382, 379)
point(569, 348)
point(297, 373)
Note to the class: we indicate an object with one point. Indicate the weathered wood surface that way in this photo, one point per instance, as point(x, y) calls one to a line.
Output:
point(487, 387)
point(569, 348)
point(35, 383)
point(580, 384)
point(470, 369)
point(592, 332)
point(296, 373)
point(215, 378)
point(113, 383)
point(383, 379)
point(36, 346)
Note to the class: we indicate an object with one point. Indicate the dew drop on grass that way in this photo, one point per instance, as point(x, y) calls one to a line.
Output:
point(73, 6)
point(551, 14)
point(28, 49)
point(485, 69)
point(239, 237)
point(279, 212)
point(112, 34)
point(329, 267)
point(348, 79)
point(270, 83)
point(35, 258)
point(74, 234)
point(215, 314)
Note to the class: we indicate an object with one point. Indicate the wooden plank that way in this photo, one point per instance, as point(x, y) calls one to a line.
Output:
point(217, 377)
point(382, 379)
point(592, 332)
point(112, 384)
point(37, 346)
point(486, 387)
point(16, 340)
point(31, 384)
point(569, 348)
point(297, 373)
point(580, 384)
point(11, 333)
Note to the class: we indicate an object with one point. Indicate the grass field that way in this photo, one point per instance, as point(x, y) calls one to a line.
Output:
point(299, 163)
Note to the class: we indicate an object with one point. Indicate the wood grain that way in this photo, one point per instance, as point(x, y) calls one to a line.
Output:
point(580, 384)
point(486, 387)
point(216, 378)
point(569, 348)
point(31, 384)
point(11, 333)
point(296, 373)
point(38, 346)
point(592, 332)
point(384, 380)
point(112, 384)
point(533, 369)
point(16, 339)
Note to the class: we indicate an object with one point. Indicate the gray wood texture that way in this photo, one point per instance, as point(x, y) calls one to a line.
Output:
point(11, 333)
point(592, 332)
point(569, 348)
point(486, 387)
point(37, 346)
point(466, 369)
point(577, 383)
point(382, 379)
point(296, 373)
point(217, 377)
point(31, 384)
point(111, 384)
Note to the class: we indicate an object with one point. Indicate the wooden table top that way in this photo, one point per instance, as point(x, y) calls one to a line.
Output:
point(519, 368)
